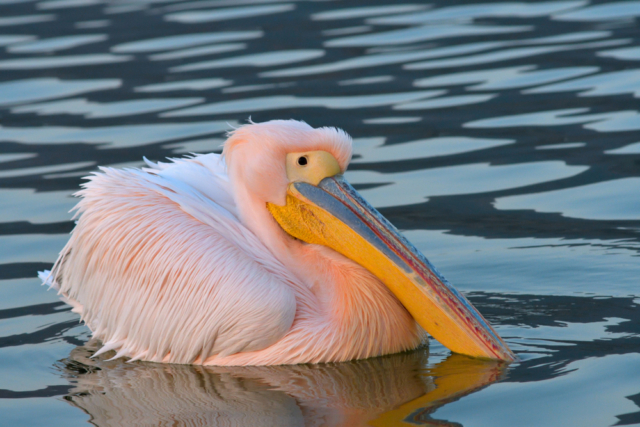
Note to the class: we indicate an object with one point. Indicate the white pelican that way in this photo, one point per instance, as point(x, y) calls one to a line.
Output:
point(264, 255)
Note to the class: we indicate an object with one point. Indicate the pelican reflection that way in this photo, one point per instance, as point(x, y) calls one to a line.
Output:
point(400, 389)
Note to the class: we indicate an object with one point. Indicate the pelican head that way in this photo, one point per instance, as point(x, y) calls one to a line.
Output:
point(289, 186)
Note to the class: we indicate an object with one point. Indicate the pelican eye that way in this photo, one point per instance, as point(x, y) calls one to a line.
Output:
point(311, 166)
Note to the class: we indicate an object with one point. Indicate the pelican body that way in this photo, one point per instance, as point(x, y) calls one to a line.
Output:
point(263, 255)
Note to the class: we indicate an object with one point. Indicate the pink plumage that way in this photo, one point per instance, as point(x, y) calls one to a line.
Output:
point(182, 262)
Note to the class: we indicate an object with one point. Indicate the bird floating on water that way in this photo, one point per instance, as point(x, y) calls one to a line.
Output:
point(263, 255)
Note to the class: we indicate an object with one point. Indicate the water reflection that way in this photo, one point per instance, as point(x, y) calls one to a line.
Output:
point(385, 391)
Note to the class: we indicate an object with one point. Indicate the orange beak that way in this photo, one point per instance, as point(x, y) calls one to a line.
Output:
point(335, 215)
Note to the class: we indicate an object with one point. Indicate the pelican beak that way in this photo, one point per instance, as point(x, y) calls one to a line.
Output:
point(335, 215)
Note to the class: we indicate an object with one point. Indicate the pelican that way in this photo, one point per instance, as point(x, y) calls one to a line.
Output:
point(264, 255)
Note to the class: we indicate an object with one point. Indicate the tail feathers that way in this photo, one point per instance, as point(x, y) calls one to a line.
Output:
point(111, 345)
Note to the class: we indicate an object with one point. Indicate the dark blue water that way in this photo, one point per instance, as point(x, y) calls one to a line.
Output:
point(503, 138)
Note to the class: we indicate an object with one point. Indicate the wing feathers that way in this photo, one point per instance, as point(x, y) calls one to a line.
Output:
point(164, 271)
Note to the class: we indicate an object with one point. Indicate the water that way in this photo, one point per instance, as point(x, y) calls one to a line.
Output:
point(503, 138)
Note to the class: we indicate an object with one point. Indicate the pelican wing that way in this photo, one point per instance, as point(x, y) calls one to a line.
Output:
point(161, 269)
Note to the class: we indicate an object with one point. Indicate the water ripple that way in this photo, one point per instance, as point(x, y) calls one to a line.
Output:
point(507, 55)
point(418, 34)
point(616, 121)
point(376, 60)
point(445, 102)
point(98, 23)
point(627, 149)
point(30, 90)
point(485, 10)
point(282, 102)
point(6, 158)
point(201, 16)
point(363, 12)
point(373, 150)
point(347, 30)
point(602, 12)
point(30, 248)
point(35, 207)
point(608, 200)
point(95, 110)
point(112, 136)
point(63, 4)
point(391, 120)
point(612, 83)
point(62, 61)
point(266, 59)
point(184, 41)
point(408, 188)
point(41, 170)
point(542, 118)
point(12, 39)
point(568, 145)
point(625, 53)
point(366, 80)
point(251, 88)
point(505, 78)
point(198, 51)
point(198, 84)
point(56, 43)
point(26, 19)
